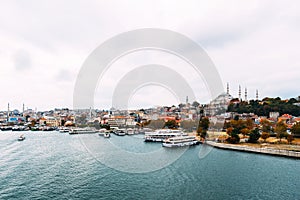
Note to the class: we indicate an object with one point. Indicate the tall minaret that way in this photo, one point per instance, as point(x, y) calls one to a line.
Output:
point(90, 113)
point(23, 108)
point(240, 92)
point(7, 111)
point(256, 95)
point(245, 94)
point(227, 88)
point(187, 100)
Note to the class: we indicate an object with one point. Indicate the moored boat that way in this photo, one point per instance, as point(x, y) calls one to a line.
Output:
point(106, 135)
point(120, 132)
point(35, 128)
point(48, 128)
point(82, 131)
point(63, 129)
point(161, 134)
point(5, 128)
point(18, 128)
point(180, 141)
point(130, 131)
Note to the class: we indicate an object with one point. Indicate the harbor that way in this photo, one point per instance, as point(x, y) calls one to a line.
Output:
point(52, 161)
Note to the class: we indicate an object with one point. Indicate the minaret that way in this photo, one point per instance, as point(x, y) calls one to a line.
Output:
point(256, 95)
point(23, 108)
point(7, 111)
point(245, 94)
point(90, 113)
point(227, 88)
point(187, 100)
point(240, 92)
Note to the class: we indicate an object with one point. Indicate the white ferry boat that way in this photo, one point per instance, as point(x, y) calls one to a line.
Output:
point(120, 132)
point(82, 131)
point(130, 131)
point(161, 134)
point(64, 129)
point(180, 141)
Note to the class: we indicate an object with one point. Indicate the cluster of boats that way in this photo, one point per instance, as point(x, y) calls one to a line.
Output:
point(171, 138)
point(168, 137)
point(27, 128)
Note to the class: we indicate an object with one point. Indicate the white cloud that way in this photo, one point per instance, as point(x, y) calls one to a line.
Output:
point(253, 43)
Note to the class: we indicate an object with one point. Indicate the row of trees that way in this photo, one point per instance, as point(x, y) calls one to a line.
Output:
point(246, 127)
point(264, 107)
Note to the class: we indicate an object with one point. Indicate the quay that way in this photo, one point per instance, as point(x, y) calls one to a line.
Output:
point(262, 150)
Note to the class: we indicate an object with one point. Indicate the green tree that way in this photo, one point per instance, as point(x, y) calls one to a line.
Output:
point(171, 124)
point(195, 104)
point(188, 125)
point(254, 136)
point(266, 125)
point(245, 131)
point(106, 126)
point(203, 126)
point(290, 138)
point(156, 124)
point(265, 135)
point(296, 129)
point(234, 137)
point(280, 130)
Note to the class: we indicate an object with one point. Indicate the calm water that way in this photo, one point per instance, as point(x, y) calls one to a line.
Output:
point(51, 165)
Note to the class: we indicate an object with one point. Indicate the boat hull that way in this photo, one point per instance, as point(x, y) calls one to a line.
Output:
point(180, 144)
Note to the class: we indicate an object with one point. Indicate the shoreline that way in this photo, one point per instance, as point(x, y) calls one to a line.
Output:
point(263, 150)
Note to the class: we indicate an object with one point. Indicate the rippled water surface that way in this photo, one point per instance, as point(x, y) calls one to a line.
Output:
point(52, 165)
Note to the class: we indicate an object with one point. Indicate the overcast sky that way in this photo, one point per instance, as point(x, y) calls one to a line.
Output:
point(43, 45)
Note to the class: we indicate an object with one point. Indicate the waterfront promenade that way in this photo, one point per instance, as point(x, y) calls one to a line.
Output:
point(262, 150)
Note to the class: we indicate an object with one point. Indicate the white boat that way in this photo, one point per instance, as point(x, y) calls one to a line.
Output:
point(180, 141)
point(161, 134)
point(82, 131)
point(120, 132)
point(130, 131)
point(106, 135)
point(21, 138)
point(64, 129)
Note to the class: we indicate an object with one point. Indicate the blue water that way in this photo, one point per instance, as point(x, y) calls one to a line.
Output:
point(52, 165)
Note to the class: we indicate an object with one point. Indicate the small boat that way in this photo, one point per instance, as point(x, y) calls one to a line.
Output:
point(35, 128)
point(106, 135)
point(130, 131)
point(21, 138)
point(120, 132)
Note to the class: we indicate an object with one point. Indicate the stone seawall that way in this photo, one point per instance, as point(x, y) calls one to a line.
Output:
point(262, 150)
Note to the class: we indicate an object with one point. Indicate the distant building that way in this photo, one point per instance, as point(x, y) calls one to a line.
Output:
point(16, 119)
point(49, 121)
point(219, 105)
point(274, 115)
